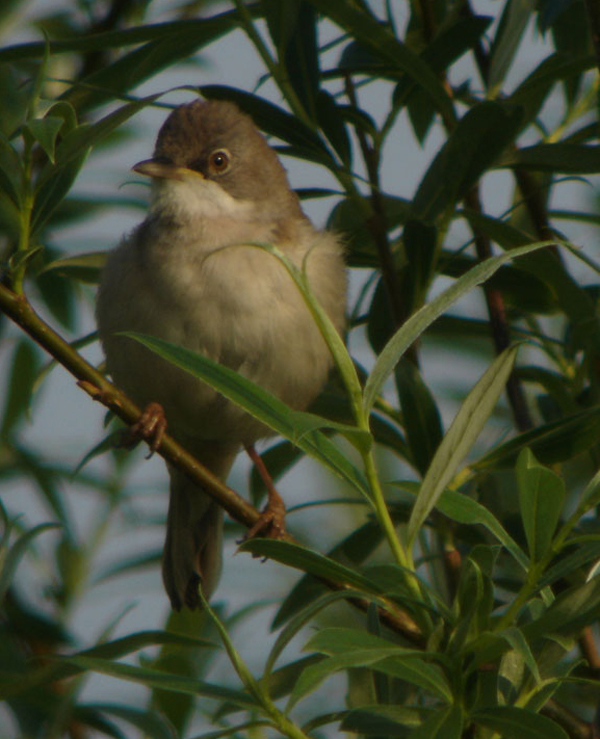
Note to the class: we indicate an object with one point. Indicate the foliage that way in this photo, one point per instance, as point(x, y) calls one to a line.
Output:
point(461, 599)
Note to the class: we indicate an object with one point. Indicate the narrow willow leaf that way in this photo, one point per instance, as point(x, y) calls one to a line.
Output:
point(563, 158)
point(445, 724)
point(478, 140)
point(151, 724)
point(309, 561)
point(334, 341)
point(425, 316)
point(163, 680)
point(236, 730)
point(405, 664)
point(299, 621)
point(205, 28)
point(461, 508)
point(518, 723)
point(44, 131)
point(300, 428)
point(512, 25)
point(518, 642)
point(541, 498)
point(422, 421)
point(573, 609)
point(15, 554)
point(551, 443)
point(567, 565)
point(275, 121)
point(383, 720)
point(61, 670)
point(24, 367)
point(369, 31)
point(353, 550)
point(470, 419)
point(83, 267)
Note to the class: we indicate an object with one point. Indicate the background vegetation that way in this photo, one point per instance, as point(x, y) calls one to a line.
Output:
point(448, 552)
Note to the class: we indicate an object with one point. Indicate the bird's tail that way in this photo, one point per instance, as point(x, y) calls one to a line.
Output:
point(192, 553)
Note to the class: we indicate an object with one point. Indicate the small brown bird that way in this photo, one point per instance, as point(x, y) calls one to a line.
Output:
point(216, 183)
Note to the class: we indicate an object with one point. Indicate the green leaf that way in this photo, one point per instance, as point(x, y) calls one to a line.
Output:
point(330, 118)
point(405, 664)
point(83, 267)
point(298, 622)
point(541, 498)
point(445, 724)
point(78, 141)
point(53, 189)
point(353, 550)
point(275, 121)
point(167, 43)
point(470, 419)
point(459, 507)
point(15, 554)
point(307, 560)
point(206, 29)
point(513, 22)
point(533, 91)
point(104, 653)
point(12, 175)
point(559, 158)
point(298, 427)
point(571, 563)
point(518, 723)
point(23, 371)
point(163, 680)
point(479, 138)
point(425, 316)
point(369, 31)
point(572, 610)
point(45, 131)
point(236, 730)
point(301, 57)
point(59, 297)
point(517, 641)
point(383, 720)
point(348, 218)
point(553, 442)
point(422, 422)
point(153, 725)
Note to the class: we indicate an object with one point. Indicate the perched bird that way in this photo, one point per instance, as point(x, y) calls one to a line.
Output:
point(187, 275)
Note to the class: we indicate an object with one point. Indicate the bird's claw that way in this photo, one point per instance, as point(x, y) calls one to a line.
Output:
point(150, 427)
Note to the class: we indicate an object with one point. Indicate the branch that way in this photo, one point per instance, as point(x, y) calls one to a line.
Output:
point(498, 321)
point(95, 384)
point(99, 388)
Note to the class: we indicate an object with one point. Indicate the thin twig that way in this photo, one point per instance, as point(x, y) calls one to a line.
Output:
point(498, 321)
point(93, 382)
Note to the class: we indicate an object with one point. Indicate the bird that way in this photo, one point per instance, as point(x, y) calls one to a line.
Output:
point(189, 274)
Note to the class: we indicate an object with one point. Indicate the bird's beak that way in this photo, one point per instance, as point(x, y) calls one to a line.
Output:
point(160, 170)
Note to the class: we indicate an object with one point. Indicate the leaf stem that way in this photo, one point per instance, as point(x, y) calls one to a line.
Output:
point(280, 720)
point(26, 210)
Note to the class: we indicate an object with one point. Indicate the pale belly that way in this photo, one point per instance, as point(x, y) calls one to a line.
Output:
point(247, 316)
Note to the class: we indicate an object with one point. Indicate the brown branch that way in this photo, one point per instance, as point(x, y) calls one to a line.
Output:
point(99, 388)
point(377, 223)
point(498, 321)
point(593, 11)
point(93, 382)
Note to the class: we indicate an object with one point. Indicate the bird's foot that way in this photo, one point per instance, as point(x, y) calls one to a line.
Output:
point(271, 523)
point(150, 427)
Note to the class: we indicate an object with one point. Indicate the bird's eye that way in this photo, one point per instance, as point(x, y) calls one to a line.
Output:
point(219, 160)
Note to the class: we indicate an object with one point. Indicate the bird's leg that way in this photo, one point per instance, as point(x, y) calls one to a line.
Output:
point(272, 519)
point(150, 427)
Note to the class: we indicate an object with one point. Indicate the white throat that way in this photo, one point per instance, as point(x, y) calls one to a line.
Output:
point(196, 198)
